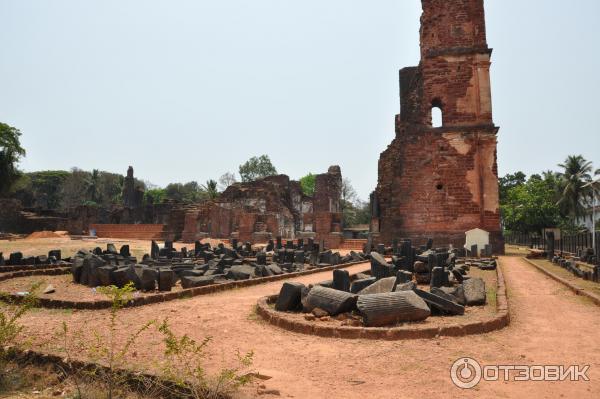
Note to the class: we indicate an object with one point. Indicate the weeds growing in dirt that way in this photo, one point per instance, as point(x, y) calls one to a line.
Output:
point(106, 351)
point(10, 314)
point(184, 359)
point(181, 373)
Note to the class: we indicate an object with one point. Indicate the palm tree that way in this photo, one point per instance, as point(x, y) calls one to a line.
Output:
point(575, 190)
point(93, 185)
point(211, 189)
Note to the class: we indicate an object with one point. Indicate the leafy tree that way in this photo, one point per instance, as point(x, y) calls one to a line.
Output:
point(257, 168)
point(356, 213)
point(75, 189)
point(308, 184)
point(226, 180)
point(530, 207)
point(575, 188)
point(41, 189)
point(349, 203)
point(189, 192)
point(348, 191)
point(109, 188)
point(509, 181)
point(93, 185)
point(10, 154)
point(211, 189)
point(155, 195)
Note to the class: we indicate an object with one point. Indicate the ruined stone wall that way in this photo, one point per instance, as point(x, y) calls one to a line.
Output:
point(267, 208)
point(440, 182)
point(10, 215)
point(328, 191)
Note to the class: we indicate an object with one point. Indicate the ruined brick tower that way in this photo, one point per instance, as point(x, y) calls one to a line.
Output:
point(440, 181)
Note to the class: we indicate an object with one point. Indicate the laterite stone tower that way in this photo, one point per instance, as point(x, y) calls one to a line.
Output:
point(440, 181)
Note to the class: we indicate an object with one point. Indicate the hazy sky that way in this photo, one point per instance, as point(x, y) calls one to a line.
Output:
point(188, 90)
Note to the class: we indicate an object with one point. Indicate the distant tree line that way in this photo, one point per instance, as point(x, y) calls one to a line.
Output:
point(550, 199)
point(62, 190)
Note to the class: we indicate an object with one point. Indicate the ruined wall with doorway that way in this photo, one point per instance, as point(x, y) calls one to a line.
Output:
point(274, 206)
point(438, 181)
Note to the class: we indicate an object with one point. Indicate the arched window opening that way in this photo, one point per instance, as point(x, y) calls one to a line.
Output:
point(437, 118)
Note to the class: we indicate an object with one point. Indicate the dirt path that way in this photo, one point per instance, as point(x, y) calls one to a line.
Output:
point(549, 325)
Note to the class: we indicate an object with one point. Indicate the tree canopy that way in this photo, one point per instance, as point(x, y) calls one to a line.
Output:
point(257, 168)
point(574, 180)
point(509, 181)
point(11, 152)
point(531, 206)
point(226, 180)
point(308, 184)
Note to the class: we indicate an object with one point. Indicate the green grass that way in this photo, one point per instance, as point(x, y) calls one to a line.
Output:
point(589, 286)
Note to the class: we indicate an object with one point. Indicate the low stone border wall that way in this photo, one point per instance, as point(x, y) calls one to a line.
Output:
point(135, 380)
point(577, 290)
point(497, 322)
point(55, 271)
point(160, 297)
point(8, 269)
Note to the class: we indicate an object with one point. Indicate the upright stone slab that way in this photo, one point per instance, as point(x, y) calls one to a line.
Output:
point(369, 245)
point(15, 258)
point(166, 277)
point(154, 250)
point(474, 289)
point(111, 248)
point(429, 243)
point(438, 277)
point(299, 257)
point(289, 298)
point(474, 252)
point(341, 280)
point(550, 244)
point(261, 258)
point(395, 248)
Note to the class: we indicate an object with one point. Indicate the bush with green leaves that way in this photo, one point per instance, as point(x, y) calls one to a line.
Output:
point(10, 328)
point(184, 366)
point(105, 350)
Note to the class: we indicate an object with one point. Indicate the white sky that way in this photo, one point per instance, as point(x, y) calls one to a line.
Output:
point(190, 89)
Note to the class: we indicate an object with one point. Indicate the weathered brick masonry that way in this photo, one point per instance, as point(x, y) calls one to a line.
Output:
point(442, 181)
point(274, 206)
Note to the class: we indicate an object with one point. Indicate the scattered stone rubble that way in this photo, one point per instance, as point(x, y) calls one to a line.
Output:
point(572, 266)
point(204, 265)
point(391, 293)
point(17, 259)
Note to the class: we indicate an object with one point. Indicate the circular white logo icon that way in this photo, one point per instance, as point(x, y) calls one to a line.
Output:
point(465, 373)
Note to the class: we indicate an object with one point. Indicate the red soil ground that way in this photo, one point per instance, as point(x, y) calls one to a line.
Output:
point(549, 325)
